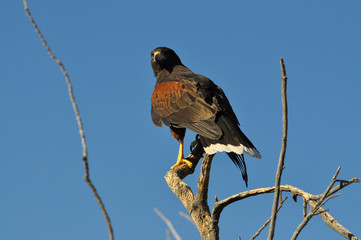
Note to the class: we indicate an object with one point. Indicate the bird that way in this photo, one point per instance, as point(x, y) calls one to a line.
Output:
point(184, 100)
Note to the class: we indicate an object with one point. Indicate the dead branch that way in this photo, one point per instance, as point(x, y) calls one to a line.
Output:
point(304, 208)
point(316, 209)
point(169, 224)
point(196, 206)
point(282, 154)
point(334, 224)
point(309, 198)
point(186, 216)
point(78, 119)
point(174, 177)
point(266, 223)
point(203, 181)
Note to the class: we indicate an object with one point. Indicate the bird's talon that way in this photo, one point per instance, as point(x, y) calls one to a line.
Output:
point(180, 162)
point(194, 143)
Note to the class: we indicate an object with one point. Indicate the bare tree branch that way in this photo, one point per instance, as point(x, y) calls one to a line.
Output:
point(282, 154)
point(342, 184)
point(186, 216)
point(311, 199)
point(266, 223)
point(314, 209)
point(169, 224)
point(197, 207)
point(334, 224)
point(203, 181)
point(304, 208)
point(78, 119)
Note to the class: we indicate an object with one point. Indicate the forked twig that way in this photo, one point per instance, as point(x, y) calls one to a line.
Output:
point(78, 119)
point(315, 209)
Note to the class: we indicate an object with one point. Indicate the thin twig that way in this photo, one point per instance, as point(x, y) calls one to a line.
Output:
point(169, 224)
point(341, 185)
point(78, 119)
point(167, 233)
point(282, 154)
point(266, 223)
point(304, 207)
point(186, 216)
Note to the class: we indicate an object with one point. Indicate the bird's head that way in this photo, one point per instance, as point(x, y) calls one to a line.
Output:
point(164, 58)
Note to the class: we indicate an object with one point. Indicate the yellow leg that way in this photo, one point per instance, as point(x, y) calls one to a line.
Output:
point(181, 159)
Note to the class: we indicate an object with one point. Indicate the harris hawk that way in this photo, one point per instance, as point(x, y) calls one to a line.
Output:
point(184, 100)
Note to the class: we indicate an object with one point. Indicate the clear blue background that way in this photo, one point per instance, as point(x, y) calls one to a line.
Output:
point(105, 46)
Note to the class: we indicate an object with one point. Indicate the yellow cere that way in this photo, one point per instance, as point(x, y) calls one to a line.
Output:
point(155, 54)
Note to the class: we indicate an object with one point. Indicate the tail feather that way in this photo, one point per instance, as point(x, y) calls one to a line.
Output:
point(238, 160)
point(233, 142)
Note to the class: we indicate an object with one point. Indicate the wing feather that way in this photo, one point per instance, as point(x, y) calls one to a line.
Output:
point(188, 101)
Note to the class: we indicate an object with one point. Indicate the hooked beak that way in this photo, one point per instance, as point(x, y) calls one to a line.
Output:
point(155, 56)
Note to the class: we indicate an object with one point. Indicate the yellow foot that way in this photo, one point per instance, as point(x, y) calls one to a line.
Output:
point(180, 162)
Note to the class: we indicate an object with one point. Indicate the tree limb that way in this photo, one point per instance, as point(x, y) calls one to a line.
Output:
point(334, 224)
point(282, 154)
point(196, 206)
point(316, 209)
point(78, 119)
point(203, 181)
point(309, 198)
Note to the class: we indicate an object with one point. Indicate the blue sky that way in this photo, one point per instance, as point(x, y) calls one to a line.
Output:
point(105, 46)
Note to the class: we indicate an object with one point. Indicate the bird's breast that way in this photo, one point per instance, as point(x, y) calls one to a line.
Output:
point(166, 92)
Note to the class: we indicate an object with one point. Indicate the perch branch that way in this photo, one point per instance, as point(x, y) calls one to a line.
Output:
point(197, 205)
point(282, 154)
point(203, 181)
point(78, 119)
point(174, 177)
point(169, 224)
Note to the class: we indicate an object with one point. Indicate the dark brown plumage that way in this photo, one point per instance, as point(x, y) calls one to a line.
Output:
point(184, 100)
